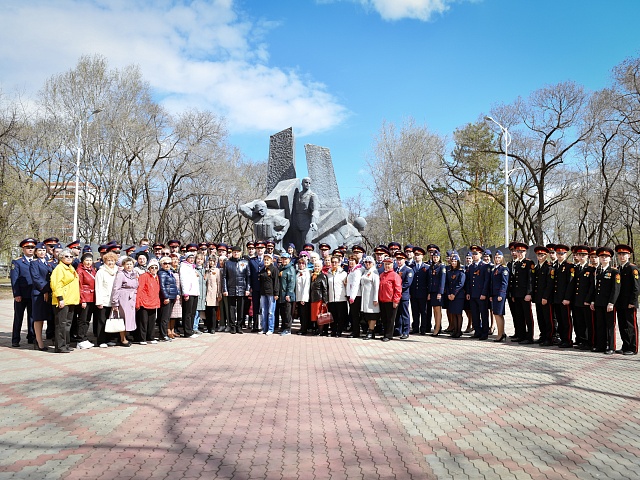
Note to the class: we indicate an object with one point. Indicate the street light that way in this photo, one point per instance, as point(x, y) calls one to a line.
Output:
point(507, 142)
point(75, 204)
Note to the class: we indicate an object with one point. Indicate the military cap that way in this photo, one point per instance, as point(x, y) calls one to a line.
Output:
point(113, 246)
point(74, 244)
point(541, 249)
point(40, 246)
point(203, 245)
point(236, 248)
point(251, 244)
point(487, 252)
point(394, 245)
point(474, 248)
point(580, 249)
point(270, 243)
point(604, 251)
point(158, 246)
point(498, 252)
point(419, 250)
point(87, 248)
point(324, 246)
point(132, 248)
point(381, 249)
point(408, 247)
point(28, 242)
point(51, 240)
point(173, 243)
point(260, 244)
point(523, 247)
point(561, 248)
point(308, 247)
point(223, 246)
point(102, 249)
point(192, 247)
point(400, 254)
point(551, 247)
point(432, 246)
point(358, 248)
point(622, 248)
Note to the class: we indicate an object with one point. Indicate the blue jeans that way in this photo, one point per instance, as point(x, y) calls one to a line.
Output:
point(268, 307)
point(196, 321)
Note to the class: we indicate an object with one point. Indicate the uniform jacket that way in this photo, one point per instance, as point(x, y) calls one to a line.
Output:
point(406, 273)
point(65, 285)
point(390, 287)
point(562, 276)
point(287, 283)
point(521, 278)
point(421, 276)
point(584, 283)
point(256, 265)
point(455, 282)
point(438, 276)
point(542, 282)
point(478, 280)
point(629, 286)
point(168, 285)
point(236, 277)
point(21, 277)
point(40, 276)
point(499, 282)
point(318, 289)
point(607, 287)
point(87, 277)
point(148, 291)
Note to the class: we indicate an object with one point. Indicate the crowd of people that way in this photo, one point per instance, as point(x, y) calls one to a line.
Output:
point(160, 292)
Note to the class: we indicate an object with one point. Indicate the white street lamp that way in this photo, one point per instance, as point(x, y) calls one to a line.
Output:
point(507, 141)
point(75, 204)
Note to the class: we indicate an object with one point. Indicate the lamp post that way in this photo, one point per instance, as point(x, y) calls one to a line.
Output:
point(75, 203)
point(507, 142)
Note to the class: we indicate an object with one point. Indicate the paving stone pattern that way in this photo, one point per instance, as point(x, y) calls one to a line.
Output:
point(256, 407)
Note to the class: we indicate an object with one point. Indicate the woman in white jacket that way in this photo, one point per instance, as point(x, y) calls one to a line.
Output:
point(337, 283)
point(303, 281)
point(354, 294)
point(369, 286)
point(105, 277)
point(190, 288)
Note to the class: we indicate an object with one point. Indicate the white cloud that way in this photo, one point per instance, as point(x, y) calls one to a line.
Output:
point(198, 53)
point(414, 9)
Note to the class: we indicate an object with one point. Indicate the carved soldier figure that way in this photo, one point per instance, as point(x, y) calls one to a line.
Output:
point(305, 214)
point(267, 224)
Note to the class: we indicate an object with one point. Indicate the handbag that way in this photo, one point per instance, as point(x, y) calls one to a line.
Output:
point(114, 324)
point(324, 317)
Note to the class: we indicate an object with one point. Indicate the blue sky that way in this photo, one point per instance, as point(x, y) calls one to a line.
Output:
point(334, 70)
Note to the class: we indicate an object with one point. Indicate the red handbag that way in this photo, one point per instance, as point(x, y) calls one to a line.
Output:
point(324, 317)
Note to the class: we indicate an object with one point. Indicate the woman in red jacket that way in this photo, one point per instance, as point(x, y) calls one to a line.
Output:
point(88, 310)
point(147, 303)
point(389, 296)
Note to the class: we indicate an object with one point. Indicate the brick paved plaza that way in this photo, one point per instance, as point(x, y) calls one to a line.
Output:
point(256, 407)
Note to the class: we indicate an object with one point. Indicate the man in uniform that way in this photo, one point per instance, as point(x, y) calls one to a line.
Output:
point(408, 251)
point(380, 252)
point(406, 274)
point(542, 288)
point(562, 275)
point(520, 289)
point(477, 285)
point(174, 246)
point(49, 243)
point(607, 290)
point(22, 286)
point(627, 303)
point(235, 286)
point(419, 292)
point(583, 291)
point(256, 265)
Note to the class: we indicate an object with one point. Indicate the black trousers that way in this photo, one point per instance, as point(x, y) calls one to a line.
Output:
point(354, 316)
point(101, 320)
point(387, 318)
point(544, 314)
point(340, 312)
point(522, 318)
point(305, 316)
point(255, 302)
point(85, 315)
point(285, 314)
point(146, 320)
point(18, 317)
point(236, 311)
point(565, 325)
point(582, 324)
point(605, 323)
point(628, 326)
point(211, 314)
point(64, 317)
point(188, 314)
point(165, 316)
point(421, 316)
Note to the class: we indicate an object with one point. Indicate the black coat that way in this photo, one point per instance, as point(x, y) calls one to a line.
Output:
point(542, 282)
point(319, 289)
point(562, 276)
point(607, 287)
point(629, 286)
point(584, 283)
point(235, 277)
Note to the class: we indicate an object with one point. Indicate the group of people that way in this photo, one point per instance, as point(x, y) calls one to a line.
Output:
point(159, 292)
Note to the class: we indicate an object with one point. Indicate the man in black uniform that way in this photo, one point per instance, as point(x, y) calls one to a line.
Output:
point(562, 276)
point(583, 291)
point(606, 293)
point(627, 304)
point(520, 289)
point(542, 288)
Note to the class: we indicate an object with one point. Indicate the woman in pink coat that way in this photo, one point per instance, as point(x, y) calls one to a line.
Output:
point(123, 297)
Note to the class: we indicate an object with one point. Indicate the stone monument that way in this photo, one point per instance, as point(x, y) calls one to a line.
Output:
point(301, 211)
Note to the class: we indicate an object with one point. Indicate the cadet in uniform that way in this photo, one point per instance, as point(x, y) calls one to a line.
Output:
point(22, 286)
point(583, 291)
point(419, 292)
point(627, 304)
point(406, 274)
point(498, 293)
point(436, 290)
point(520, 289)
point(542, 295)
point(562, 276)
point(477, 285)
point(607, 289)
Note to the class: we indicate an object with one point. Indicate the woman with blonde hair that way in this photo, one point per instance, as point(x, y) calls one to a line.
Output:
point(124, 297)
point(105, 277)
point(65, 292)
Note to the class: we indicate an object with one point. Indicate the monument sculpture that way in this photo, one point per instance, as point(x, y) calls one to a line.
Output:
point(299, 212)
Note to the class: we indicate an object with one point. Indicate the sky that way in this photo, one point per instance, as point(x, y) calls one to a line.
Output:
point(334, 70)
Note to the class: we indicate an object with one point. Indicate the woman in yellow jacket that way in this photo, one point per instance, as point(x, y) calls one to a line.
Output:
point(65, 292)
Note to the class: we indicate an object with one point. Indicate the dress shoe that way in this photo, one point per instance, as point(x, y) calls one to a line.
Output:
point(515, 339)
point(619, 352)
point(628, 352)
point(239, 330)
point(526, 342)
point(404, 337)
point(385, 339)
point(255, 330)
point(608, 352)
point(15, 345)
point(585, 346)
point(484, 337)
point(597, 350)
point(30, 341)
point(503, 338)
point(62, 350)
point(434, 334)
point(565, 345)
point(538, 340)
point(545, 343)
